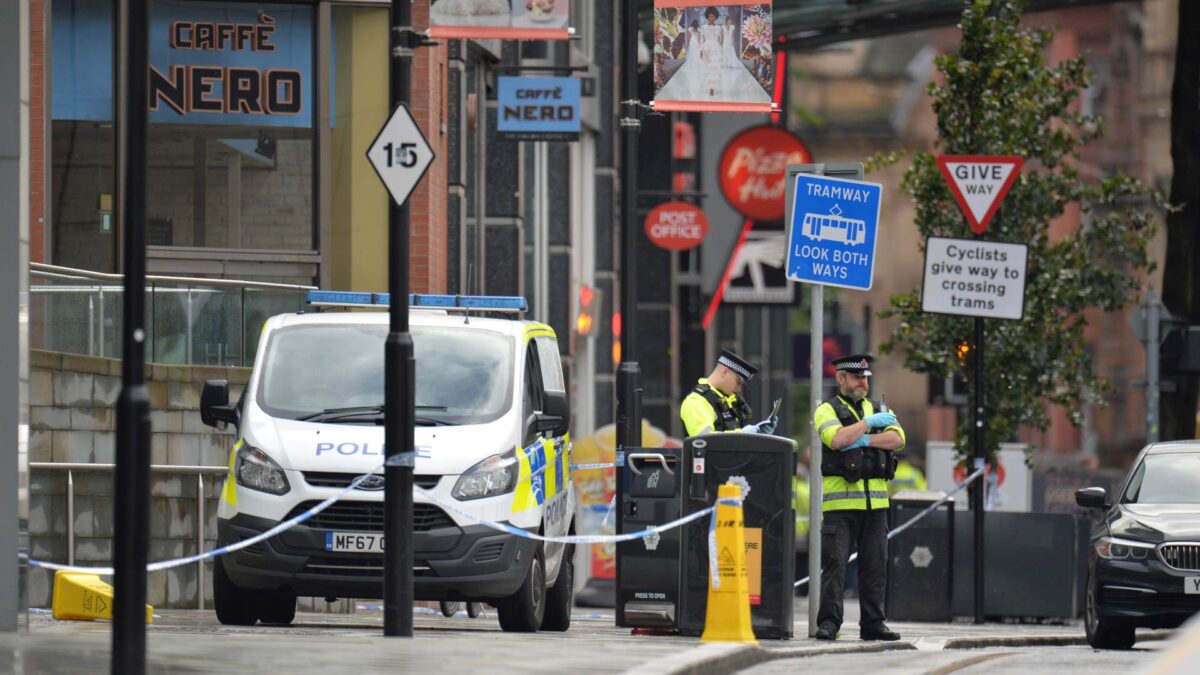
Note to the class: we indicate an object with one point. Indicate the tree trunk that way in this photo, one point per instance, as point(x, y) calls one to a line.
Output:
point(1181, 275)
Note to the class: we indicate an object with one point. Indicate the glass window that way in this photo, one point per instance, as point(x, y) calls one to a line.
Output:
point(231, 144)
point(552, 377)
point(463, 376)
point(1172, 478)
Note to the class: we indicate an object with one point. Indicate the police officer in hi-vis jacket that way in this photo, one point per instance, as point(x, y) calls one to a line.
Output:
point(716, 404)
point(859, 438)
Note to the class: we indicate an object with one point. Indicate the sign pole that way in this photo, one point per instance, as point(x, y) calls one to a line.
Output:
point(629, 408)
point(400, 373)
point(978, 487)
point(815, 496)
point(131, 522)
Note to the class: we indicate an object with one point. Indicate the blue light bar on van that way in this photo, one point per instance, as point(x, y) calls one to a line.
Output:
point(485, 303)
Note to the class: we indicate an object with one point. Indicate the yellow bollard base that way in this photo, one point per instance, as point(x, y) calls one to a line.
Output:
point(84, 597)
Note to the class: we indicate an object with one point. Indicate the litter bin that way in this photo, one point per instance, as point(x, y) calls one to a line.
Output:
point(649, 492)
point(920, 577)
point(764, 465)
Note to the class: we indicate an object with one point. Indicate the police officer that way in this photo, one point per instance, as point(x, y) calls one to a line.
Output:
point(856, 464)
point(716, 404)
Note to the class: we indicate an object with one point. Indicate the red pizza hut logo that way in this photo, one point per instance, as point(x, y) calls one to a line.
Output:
point(753, 171)
point(676, 226)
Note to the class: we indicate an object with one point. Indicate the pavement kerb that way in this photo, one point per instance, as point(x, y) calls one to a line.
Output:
point(713, 658)
point(1035, 640)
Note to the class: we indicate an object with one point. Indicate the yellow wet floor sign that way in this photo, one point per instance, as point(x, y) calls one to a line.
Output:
point(83, 597)
point(727, 617)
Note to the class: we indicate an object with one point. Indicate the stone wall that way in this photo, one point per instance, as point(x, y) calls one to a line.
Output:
point(73, 419)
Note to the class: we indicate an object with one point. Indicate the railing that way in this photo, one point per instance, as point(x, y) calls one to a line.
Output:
point(199, 471)
point(189, 320)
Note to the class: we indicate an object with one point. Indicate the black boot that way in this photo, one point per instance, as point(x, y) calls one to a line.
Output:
point(827, 631)
point(879, 631)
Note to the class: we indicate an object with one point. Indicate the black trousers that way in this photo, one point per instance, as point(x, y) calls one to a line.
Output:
point(839, 531)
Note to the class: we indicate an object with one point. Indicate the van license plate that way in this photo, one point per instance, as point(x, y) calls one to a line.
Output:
point(1191, 585)
point(353, 542)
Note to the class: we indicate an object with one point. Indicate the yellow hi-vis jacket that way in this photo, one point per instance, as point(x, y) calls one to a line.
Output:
point(839, 493)
point(698, 415)
point(800, 497)
point(908, 477)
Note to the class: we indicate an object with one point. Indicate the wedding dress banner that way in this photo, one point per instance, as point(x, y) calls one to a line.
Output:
point(713, 57)
point(500, 19)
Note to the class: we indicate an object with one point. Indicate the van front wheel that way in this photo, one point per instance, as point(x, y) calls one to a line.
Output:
point(235, 606)
point(522, 611)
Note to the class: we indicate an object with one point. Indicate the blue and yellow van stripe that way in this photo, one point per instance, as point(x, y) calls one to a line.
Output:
point(533, 330)
point(543, 472)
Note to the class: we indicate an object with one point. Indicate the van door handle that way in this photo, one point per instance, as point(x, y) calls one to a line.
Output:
point(658, 456)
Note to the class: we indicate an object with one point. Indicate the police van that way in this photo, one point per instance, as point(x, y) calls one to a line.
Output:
point(491, 439)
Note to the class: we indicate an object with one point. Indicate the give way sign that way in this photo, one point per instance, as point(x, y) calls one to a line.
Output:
point(400, 154)
point(979, 183)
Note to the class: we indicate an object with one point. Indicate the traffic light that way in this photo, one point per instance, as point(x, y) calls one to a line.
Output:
point(589, 307)
point(1180, 351)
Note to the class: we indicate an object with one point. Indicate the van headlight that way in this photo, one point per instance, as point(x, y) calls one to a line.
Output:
point(1112, 548)
point(495, 475)
point(255, 470)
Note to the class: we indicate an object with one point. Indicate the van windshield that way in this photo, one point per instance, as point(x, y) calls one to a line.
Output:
point(463, 376)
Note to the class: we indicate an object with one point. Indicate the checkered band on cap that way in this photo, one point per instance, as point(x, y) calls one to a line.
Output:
point(736, 364)
point(854, 363)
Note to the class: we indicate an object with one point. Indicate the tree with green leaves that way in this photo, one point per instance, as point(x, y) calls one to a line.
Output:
point(999, 96)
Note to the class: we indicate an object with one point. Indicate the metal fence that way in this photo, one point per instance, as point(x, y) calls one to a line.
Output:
point(198, 471)
point(189, 320)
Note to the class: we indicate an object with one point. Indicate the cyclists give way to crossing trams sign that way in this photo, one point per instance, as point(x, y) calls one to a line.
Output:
point(833, 231)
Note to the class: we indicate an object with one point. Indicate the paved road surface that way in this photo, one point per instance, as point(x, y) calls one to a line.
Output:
point(1010, 661)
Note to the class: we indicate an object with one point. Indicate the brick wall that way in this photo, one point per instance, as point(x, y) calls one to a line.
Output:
point(428, 203)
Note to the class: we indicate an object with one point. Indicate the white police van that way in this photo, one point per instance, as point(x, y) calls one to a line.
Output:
point(491, 438)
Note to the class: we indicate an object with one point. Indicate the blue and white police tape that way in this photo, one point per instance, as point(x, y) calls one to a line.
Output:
point(713, 572)
point(571, 538)
point(924, 512)
point(222, 550)
point(585, 467)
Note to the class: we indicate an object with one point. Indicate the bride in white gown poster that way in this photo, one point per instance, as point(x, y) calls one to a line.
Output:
point(712, 57)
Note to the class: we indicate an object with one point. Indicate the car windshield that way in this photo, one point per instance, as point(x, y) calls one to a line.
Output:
point(1171, 478)
point(463, 376)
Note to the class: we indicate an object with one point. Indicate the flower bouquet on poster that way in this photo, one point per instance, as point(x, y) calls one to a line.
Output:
point(500, 19)
point(713, 57)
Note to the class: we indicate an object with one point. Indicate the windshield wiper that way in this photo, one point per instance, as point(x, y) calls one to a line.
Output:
point(336, 414)
point(431, 422)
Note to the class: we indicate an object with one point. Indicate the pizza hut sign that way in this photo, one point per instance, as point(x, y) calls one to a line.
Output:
point(676, 226)
point(753, 171)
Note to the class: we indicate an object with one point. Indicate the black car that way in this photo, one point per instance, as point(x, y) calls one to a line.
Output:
point(1144, 561)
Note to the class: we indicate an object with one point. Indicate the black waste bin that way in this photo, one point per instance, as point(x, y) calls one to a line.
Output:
point(920, 577)
point(765, 465)
point(650, 489)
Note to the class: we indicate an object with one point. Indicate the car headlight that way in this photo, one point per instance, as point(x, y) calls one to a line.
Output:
point(257, 471)
point(1113, 548)
point(495, 475)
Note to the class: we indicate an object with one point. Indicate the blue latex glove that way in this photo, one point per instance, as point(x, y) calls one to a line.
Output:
point(862, 442)
point(750, 429)
point(767, 426)
point(881, 419)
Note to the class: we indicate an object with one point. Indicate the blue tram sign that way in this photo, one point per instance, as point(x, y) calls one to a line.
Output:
point(833, 231)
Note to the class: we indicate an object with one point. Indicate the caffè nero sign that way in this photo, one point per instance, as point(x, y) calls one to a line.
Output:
point(234, 65)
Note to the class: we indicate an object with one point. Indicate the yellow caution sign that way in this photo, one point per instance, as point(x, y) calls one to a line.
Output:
point(83, 597)
point(727, 618)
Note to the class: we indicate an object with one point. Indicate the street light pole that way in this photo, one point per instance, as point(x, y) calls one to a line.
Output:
point(132, 475)
point(629, 407)
point(400, 373)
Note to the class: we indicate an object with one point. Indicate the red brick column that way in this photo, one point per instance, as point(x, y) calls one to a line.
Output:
point(427, 205)
point(39, 123)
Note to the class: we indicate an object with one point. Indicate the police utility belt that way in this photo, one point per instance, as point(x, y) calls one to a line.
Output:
point(857, 463)
point(729, 418)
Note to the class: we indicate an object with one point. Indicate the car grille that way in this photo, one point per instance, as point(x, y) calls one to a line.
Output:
point(1180, 556)
point(358, 566)
point(368, 516)
point(333, 479)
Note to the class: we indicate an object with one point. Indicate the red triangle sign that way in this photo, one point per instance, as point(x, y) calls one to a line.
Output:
point(979, 183)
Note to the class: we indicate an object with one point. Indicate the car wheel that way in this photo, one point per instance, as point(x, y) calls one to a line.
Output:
point(449, 608)
point(559, 598)
point(522, 612)
point(474, 609)
point(277, 607)
point(234, 606)
point(1104, 633)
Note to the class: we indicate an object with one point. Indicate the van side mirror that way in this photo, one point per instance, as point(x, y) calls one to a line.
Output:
point(1091, 498)
point(215, 410)
point(556, 416)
